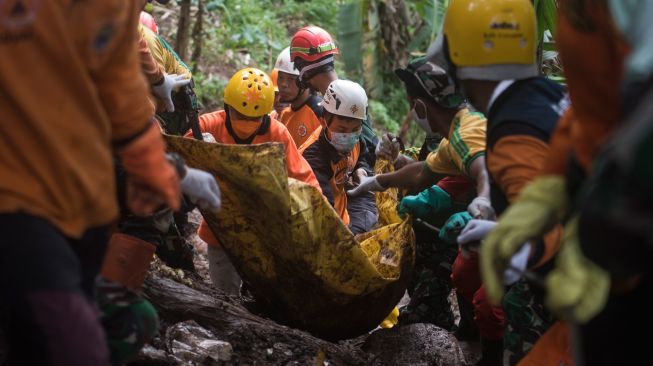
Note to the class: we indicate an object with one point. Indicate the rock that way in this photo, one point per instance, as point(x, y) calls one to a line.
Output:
point(414, 344)
point(194, 344)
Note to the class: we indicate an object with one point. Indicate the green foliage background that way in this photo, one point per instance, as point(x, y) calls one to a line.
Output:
point(242, 33)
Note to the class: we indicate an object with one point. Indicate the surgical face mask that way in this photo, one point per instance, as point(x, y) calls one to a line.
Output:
point(344, 142)
point(245, 128)
point(423, 123)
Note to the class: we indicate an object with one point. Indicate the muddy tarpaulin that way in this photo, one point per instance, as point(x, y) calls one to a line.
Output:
point(386, 201)
point(291, 248)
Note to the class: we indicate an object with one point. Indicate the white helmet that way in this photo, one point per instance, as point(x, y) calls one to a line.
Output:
point(284, 64)
point(346, 98)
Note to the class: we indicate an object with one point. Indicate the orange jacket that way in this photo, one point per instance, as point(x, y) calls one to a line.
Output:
point(69, 87)
point(553, 348)
point(592, 53)
point(514, 162)
point(298, 168)
point(301, 122)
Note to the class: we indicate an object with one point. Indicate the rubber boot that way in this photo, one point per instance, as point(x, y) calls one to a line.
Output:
point(127, 261)
point(129, 321)
point(491, 353)
point(467, 329)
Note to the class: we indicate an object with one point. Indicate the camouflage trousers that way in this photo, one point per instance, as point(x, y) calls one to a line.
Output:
point(129, 321)
point(526, 320)
point(431, 284)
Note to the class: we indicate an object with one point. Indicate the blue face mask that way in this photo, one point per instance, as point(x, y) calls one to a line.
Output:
point(344, 142)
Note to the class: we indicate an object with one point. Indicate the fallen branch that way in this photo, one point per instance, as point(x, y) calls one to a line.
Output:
point(255, 340)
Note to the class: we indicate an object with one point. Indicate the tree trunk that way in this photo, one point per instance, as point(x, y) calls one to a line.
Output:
point(197, 35)
point(405, 125)
point(251, 336)
point(183, 30)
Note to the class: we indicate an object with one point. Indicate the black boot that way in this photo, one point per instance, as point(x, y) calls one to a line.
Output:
point(467, 329)
point(491, 353)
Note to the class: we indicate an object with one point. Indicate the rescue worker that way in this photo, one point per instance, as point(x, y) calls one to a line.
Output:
point(313, 51)
point(278, 106)
point(428, 85)
point(248, 98)
point(499, 74)
point(436, 105)
point(335, 154)
point(594, 40)
point(176, 119)
point(303, 114)
point(57, 189)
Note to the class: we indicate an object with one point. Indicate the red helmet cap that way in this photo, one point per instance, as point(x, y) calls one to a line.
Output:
point(148, 20)
point(312, 43)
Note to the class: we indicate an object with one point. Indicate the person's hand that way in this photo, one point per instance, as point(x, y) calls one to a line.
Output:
point(367, 184)
point(358, 175)
point(201, 188)
point(454, 226)
point(427, 202)
point(540, 206)
point(481, 208)
point(576, 286)
point(388, 148)
point(151, 180)
point(163, 90)
point(471, 236)
point(518, 264)
point(207, 137)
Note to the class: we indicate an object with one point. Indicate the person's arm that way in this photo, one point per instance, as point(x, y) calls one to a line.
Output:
point(516, 162)
point(478, 173)
point(152, 70)
point(414, 177)
point(314, 157)
point(298, 167)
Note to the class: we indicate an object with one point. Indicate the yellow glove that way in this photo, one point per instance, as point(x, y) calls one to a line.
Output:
point(539, 207)
point(576, 284)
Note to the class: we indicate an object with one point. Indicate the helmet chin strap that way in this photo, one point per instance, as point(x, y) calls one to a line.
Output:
point(314, 66)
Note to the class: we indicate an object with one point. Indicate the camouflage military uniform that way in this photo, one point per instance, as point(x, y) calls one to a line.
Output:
point(526, 320)
point(431, 284)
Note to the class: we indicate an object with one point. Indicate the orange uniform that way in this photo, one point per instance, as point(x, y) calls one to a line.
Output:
point(215, 124)
point(592, 53)
point(55, 156)
point(301, 122)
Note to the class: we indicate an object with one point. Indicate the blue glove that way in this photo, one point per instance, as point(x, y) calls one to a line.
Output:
point(454, 225)
point(425, 203)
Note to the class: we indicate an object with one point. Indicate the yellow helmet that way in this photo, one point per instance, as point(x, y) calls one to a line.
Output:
point(492, 33)
point(251, 92)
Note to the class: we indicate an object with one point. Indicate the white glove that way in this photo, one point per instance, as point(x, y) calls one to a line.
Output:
point(201, 188)
point(367, 184)
point(164, 90)
point(519, 261)
point(475, 230)
point(207, 137)
point(388, 147)
point(471, 236)
point(481, 208)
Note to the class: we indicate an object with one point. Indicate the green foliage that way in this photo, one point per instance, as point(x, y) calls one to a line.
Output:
point(432, 13)
point(262, 28)
point(209, 90)
point(388, 113)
